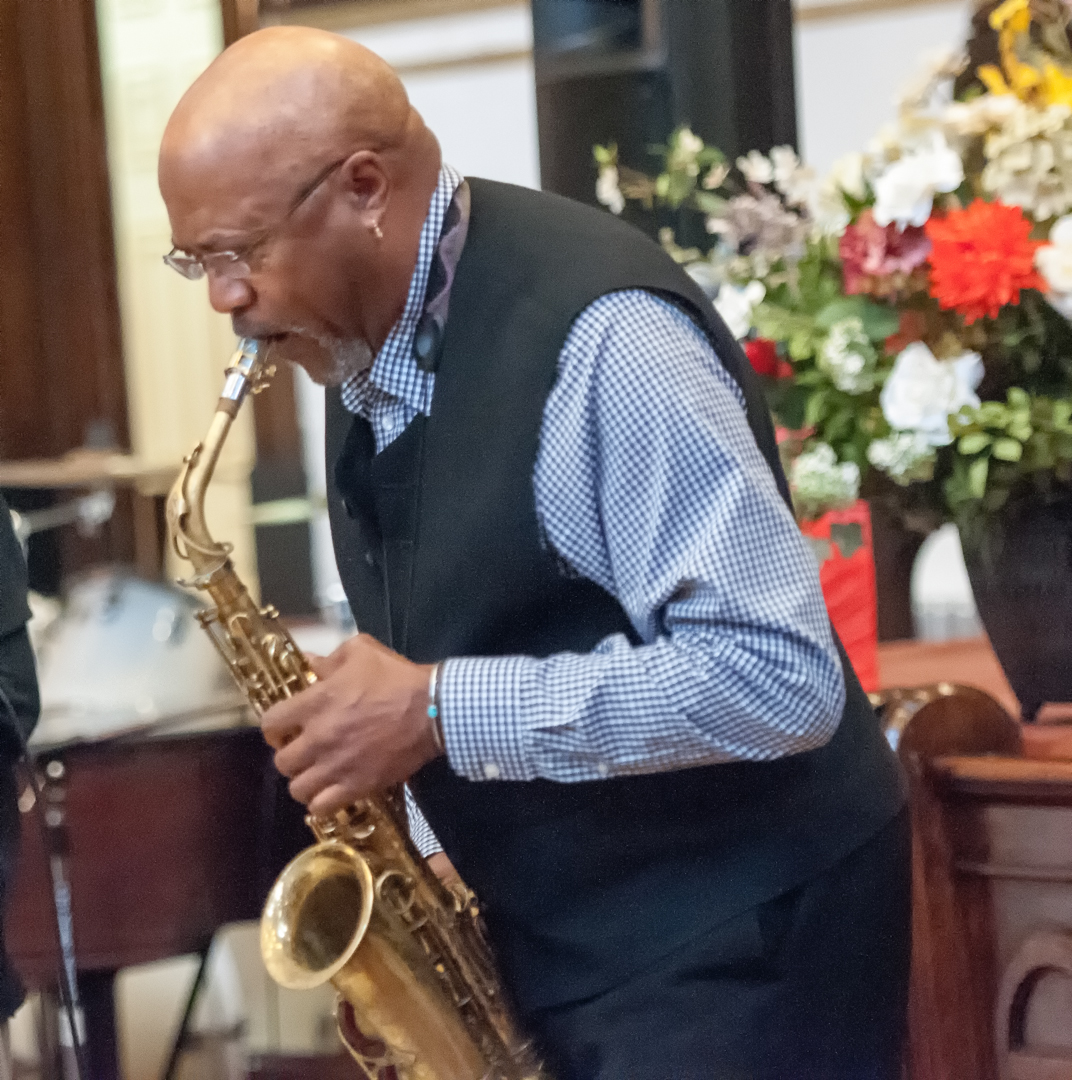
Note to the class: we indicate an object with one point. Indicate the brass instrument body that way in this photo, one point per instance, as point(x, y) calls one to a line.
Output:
point(419, 998)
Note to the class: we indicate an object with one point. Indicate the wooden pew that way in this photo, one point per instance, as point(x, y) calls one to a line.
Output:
point(991, 993)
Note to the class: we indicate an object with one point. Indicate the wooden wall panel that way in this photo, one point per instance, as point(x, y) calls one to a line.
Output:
point(61, 365)
point(20, 343)
point(240, 17)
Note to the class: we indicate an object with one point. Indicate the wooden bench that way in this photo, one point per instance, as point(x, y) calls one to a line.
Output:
point(991, 993)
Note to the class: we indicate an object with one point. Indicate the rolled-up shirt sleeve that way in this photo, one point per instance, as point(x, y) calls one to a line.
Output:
point(649, 483)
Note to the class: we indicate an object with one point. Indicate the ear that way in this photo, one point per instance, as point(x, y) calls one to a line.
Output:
point(367, 185)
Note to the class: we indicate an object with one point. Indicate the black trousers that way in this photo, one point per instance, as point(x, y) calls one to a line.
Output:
point(812, 985)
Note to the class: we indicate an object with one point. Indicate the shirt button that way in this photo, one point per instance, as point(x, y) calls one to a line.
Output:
point(492, 771)
point(602, 769)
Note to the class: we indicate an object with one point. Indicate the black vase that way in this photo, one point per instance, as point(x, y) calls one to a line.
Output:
point(1020, 567)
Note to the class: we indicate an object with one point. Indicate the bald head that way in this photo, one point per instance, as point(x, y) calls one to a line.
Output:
point(280, 114)
point(282, 97)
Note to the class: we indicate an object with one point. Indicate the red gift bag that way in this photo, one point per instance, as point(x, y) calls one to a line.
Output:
point(841, 540)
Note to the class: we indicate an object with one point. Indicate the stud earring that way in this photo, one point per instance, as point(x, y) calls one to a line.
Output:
point(377, 231)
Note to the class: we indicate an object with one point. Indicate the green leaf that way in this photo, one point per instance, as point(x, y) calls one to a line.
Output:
point(992, 414)
point(878, 322)
point(1008, 450)
point(1041, 451)
point(973, 443)
point(812, 378)
point(839, 426)
point(708, 202)
point(816, 409)
point(801, 345)
point(977, 474)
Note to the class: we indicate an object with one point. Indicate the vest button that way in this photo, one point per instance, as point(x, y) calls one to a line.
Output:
point(492, 771)
point(369, 559)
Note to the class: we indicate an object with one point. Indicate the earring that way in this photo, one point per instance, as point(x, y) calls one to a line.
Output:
point(377, 231)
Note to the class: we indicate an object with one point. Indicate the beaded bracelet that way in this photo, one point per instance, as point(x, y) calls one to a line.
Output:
point(433, 708)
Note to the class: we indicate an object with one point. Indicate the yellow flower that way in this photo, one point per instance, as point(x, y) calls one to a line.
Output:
point(1052, 85)
point(1015, 15)
point(1056, 85)
point(993, 80)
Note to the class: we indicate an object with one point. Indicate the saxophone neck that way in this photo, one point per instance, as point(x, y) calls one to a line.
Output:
point(190, 536)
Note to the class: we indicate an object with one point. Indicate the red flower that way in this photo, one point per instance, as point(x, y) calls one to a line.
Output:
point(763, 356)
point(879, 259)
point(981, 258)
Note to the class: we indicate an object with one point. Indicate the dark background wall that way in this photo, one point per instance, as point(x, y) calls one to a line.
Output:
point(630, 71)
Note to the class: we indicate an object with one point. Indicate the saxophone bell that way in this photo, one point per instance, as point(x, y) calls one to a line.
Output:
point(324, 921)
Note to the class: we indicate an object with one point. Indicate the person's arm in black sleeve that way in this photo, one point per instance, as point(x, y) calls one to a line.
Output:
point(18, 673)
point(18, 678)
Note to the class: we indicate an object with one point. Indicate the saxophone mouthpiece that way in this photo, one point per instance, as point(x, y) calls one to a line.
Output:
point(247, 373)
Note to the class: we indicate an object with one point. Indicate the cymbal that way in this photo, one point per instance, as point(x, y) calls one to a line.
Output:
point(88, 468)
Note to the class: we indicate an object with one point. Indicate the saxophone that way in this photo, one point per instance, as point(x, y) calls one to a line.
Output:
point(418, 994)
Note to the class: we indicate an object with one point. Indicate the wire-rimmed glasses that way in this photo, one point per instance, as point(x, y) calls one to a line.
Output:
point(233, 264)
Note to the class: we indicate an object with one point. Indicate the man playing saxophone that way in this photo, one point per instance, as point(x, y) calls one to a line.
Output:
point(595, 644)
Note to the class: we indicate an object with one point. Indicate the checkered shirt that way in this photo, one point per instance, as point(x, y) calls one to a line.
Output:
point(648, 482)
point(394, 390)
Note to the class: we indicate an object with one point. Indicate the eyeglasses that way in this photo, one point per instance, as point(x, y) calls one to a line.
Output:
point(234, 264)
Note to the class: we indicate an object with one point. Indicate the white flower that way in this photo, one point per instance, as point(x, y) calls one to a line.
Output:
point(827, 209)
point(848, 357)
point(683, 151)
point(1054, 260)
point(847, 173)
point(757, 168)
point(922, 392)
point(735, 305)
point(1029, 160)
point(980, 115)
point(607, 190)
point(820, 483)
point(784, 162)
point(800, 187)
point(904, 456)
point(905, 191)
point(689, 143)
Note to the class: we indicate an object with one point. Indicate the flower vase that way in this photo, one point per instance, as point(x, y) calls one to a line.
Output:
point(1020, 568)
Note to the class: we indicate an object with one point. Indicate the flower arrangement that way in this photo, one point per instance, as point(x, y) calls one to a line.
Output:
point(909, 312)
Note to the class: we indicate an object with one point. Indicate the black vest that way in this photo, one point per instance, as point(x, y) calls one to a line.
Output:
point(441, 555)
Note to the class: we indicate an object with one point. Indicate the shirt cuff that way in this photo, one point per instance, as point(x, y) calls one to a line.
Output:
point(482, 717)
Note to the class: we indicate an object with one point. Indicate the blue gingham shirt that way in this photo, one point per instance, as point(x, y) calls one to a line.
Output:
point(648, 482)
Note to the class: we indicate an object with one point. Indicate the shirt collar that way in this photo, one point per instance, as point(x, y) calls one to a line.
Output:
point(394, 371)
